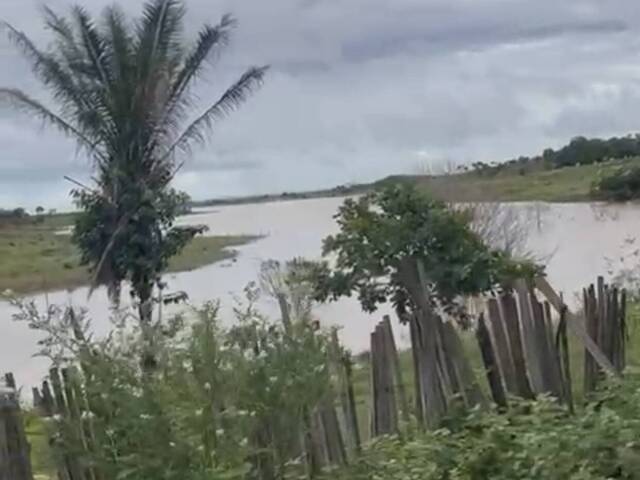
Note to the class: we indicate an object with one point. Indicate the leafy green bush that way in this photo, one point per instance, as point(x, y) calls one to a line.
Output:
point(623, 185)
point(223, 402)
point(536, 440)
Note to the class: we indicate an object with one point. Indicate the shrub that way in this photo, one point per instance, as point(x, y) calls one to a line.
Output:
point(623, 185)
point(535, 440)
point(224, 402)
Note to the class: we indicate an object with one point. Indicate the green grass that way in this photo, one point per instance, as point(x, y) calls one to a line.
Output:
point(36, 259)
point(569, 184)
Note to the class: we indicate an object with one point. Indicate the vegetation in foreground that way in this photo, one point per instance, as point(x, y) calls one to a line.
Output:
point(36, 258)
point(533, 440)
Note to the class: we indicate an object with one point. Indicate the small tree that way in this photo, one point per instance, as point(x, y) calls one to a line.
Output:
point(39, 210)
point(399, 245)
point(125, 93)
point(290, 283)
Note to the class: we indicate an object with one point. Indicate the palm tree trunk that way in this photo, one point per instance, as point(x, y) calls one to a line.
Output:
point(145, 312)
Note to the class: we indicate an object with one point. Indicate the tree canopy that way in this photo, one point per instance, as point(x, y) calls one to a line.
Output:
point(386, 237)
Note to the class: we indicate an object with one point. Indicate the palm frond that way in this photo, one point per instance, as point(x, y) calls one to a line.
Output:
point(21, 101)
point(48, 69)
point(64, 35)
point(159, 30)
point(210, 40)
point(94, 46)
point(118, 44)
point(235, 96)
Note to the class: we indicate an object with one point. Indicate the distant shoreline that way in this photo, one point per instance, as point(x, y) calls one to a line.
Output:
point(341, 191)
point(509, 184)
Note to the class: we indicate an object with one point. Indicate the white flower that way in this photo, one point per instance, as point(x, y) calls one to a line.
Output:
point(244, 442)
point(220, 432)
point(199, 412)
point(57, 417)
point(242, 413)
point(144, 416)
point(87, 415)
point(207, 386)
point(171, 444)
point(273, 379)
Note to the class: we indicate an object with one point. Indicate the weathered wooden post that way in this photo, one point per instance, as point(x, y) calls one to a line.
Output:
point(490, 364)
point(15, 461)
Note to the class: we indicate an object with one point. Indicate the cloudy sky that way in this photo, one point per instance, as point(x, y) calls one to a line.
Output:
point(360, 89)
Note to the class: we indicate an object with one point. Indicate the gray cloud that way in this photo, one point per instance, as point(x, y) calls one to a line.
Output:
point(363, 88)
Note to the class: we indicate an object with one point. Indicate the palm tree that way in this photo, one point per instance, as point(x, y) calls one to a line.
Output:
point(125, 93)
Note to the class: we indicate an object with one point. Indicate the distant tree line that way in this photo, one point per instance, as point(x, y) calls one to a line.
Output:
point(13, 213)
point(582, 150)
point(21, 212)
point(579, 151)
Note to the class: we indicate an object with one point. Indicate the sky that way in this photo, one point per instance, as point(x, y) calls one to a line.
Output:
point(360, 89)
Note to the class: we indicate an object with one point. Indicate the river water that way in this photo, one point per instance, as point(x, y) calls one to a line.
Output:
point(578, 242)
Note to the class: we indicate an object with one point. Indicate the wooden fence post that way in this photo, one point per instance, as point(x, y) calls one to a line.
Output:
point(490, 364)
point(576, 326)
point(397, 370)
point(501, 347)
point(15, 461)
point(512, 325)
point(529, 337)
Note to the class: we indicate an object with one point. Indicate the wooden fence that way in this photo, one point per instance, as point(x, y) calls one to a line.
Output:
point(15, 462)
point(522, 336)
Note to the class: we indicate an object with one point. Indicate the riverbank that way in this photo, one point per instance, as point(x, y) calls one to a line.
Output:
point(500, 183)
point(514, 183)
point(35, 258)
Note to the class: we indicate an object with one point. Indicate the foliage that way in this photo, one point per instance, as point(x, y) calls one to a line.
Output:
point(125, 93)
point(579, 151)
point(136, 249)
point(620, 186)
point(224, 403)
point(290, 281)
point(15, 214)
point(534, 440)
point(384, 235)
point(583, 150)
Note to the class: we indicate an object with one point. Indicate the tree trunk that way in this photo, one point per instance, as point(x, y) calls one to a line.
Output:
point(144, 293)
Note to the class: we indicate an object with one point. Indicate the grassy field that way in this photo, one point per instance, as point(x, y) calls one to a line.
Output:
point(569, 184)
point(36, 259)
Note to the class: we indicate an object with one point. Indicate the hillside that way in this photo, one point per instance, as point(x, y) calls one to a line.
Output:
point(567, 184)
point(507, 182)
